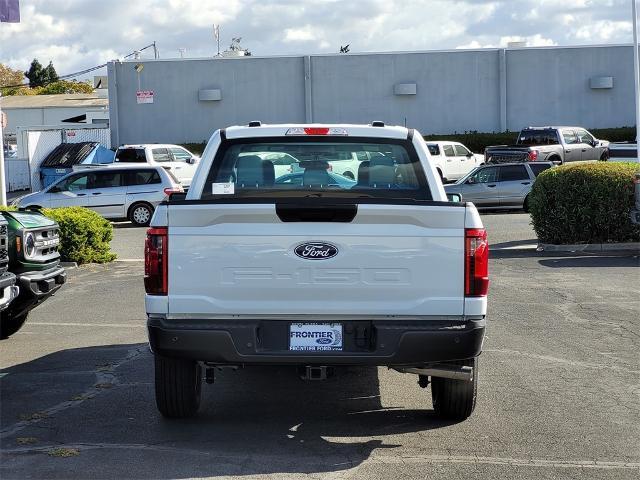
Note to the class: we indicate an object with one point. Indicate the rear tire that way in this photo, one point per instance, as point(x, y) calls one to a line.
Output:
point(555, 159)
point(140, 214)
point(455, 399)
point(525, 205)
point(604, 157)
point(178, 386)
point(10, 324)
point(349, 175)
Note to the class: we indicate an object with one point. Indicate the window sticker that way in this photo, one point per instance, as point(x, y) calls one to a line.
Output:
point(222, 188)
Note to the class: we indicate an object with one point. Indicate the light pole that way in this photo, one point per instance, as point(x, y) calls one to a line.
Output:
point(636, 74)
point(3, 186)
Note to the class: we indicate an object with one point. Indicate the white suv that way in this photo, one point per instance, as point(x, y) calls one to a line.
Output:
point(178, 160)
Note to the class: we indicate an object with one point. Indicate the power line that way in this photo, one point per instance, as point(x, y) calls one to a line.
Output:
point(82, 72)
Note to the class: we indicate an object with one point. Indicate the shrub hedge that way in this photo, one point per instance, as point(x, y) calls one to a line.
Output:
point(84, 235)
point(585, 203)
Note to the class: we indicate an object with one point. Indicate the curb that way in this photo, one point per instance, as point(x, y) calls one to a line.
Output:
point(69, 265)
point(591, 247)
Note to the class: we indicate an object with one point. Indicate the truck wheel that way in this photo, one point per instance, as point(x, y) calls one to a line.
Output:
point(525, 205)
point(556, 160)
point(349, 175)
point(604, 157)
point(10, 324)
point(178, 385)
point(140, 214)
point(455, 399)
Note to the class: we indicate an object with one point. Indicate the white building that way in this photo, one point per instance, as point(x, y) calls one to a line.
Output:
point(34, 110)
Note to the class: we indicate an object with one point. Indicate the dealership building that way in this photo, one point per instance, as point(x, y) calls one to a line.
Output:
point(442, 92)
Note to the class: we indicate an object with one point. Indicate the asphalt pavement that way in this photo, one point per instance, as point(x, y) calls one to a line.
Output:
point(559, 395)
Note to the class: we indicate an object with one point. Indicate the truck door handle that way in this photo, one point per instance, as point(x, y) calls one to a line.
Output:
point(80, 194)
point(96, 193)
point(584, 149)
point(526, 183)
point(491, 186)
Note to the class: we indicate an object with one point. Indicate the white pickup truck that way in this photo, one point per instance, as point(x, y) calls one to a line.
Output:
point(176, 159)
point(316, 272)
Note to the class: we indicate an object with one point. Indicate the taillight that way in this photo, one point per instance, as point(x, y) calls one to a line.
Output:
point(476, 263)
point(156, 261)
point(176, 189)
point(533, 155)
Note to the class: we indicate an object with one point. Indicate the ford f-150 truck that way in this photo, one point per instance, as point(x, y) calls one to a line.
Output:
point(245, 270)
point(550, 144)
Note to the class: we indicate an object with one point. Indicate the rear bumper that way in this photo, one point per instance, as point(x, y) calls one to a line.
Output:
point(265, 342)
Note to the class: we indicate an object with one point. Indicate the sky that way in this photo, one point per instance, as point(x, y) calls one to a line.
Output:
point(78, 34)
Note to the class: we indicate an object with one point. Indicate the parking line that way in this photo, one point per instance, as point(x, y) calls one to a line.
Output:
point(129, 259)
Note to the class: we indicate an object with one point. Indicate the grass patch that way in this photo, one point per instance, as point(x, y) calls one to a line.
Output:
point(26, 440)
point(63, 452)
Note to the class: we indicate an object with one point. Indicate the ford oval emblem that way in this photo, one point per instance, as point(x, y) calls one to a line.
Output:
point(324, 341)
point(316, 251)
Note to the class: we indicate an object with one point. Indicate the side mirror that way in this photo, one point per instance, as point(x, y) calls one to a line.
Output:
point(454, 197)
point(469, 155)
point(191, 160)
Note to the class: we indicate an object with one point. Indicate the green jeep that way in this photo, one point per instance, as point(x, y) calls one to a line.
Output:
point(33, 241)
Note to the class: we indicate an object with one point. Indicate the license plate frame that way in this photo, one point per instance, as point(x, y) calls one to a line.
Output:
point(316, 337)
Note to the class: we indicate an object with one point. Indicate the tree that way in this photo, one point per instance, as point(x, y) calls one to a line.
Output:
point(38, 76)
point(50, 74)
point(9, 76)
point(345, 49)
point(65, 86)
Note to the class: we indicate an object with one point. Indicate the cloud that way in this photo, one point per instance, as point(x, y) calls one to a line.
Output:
point(77, 34)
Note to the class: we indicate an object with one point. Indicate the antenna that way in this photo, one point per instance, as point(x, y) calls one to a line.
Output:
point(216, 35)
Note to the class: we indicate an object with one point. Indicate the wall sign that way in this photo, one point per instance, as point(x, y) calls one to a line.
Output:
point(144, 96)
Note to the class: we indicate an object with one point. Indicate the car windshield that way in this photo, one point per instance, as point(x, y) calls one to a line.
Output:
point(337, 167)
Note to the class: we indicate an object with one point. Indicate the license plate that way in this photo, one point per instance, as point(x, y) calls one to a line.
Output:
point(315, 337)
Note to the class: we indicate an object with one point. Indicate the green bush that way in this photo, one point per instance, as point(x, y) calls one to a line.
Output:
point(585, 203)
point(84, 235)
point(478, 141)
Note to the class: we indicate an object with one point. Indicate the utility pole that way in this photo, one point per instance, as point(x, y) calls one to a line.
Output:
point(636, 74)
point(155, 50)
point(3, 185)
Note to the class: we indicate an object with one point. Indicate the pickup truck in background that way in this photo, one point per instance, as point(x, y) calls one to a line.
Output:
point(550, 144)
point(452, 159)
point(381, 270)
point(179, 161)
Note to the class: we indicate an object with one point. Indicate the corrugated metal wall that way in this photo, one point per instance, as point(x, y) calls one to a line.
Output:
point(437, 92)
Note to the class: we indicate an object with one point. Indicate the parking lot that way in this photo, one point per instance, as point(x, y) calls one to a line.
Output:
point(559, 394)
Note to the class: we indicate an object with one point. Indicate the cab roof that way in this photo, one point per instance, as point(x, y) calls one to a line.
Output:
point(316, 129)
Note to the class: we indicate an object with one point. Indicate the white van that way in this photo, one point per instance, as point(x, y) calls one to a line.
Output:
point(452, 159)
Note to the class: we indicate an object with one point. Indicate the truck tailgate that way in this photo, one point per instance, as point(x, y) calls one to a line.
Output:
point(239, 260)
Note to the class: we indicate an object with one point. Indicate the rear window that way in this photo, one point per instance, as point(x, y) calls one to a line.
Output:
point(536, 168)
point(538, 137)
point(510, 173)
point(131, 155)
point(317, 167)
point(433, 149)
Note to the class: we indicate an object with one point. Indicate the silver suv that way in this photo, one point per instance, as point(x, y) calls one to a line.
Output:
point(119, 191)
